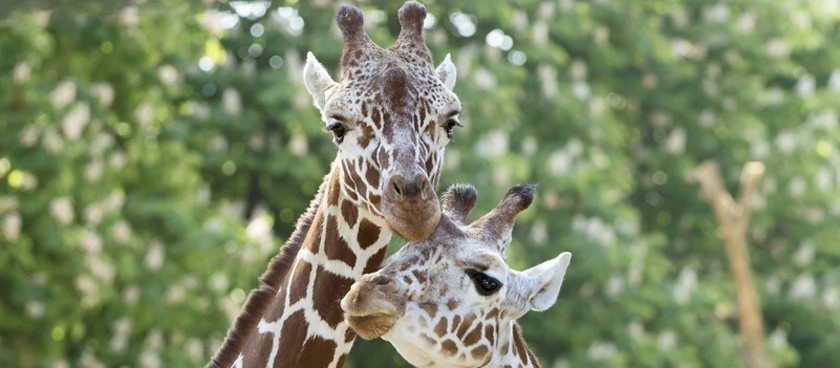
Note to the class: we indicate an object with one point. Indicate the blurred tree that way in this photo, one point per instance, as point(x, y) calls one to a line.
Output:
point(147, 153)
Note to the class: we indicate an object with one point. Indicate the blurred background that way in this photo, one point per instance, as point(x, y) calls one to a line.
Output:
point(155, 155)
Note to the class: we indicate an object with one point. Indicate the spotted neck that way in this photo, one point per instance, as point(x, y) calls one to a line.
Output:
point(294, 319)
point(512, 351)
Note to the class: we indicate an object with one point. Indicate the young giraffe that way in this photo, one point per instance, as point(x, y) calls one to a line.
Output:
point(391, 115)
point(452, 300)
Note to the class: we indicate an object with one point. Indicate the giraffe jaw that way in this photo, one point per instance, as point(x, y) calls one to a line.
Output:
point(371, 326)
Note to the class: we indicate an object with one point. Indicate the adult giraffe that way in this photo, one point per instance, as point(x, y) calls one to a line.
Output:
point(391, 114)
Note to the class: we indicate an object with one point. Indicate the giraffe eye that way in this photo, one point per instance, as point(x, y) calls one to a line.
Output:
point(449, 125)
point(484, 284)
point(338, 131)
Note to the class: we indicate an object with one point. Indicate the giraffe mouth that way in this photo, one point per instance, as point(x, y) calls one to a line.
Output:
point(371, 326)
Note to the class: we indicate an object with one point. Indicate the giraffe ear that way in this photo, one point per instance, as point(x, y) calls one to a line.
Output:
point(548, 276)
point(317, 80)
point(446, 73)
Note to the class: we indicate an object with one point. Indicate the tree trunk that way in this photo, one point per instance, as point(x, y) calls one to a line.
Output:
point(732, 218)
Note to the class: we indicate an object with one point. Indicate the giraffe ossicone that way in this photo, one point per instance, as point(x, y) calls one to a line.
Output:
point(391, 114)
point(451, 300)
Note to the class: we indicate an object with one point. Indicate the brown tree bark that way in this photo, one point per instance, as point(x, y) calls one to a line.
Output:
point(733, 219)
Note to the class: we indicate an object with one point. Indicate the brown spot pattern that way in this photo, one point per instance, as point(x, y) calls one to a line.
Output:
point(329, 289)
point(368, 233)
point(449, 347)
point(338, 249)
point(350, 213)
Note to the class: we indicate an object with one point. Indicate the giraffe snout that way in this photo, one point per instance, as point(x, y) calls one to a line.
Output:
point(372, 306)
point(410, 205)
point(417, 188)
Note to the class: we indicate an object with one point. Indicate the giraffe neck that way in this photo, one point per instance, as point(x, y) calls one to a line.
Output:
point(295, 318)
point(513, 351)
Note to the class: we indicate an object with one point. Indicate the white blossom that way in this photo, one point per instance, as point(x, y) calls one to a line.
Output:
point(834, 80)
point(121, 232)
point(666, 341)
point(786, 141)
point(62, 210)
point(492, 145)
point(778, 339)
point(601, 351)
point(101, 269)
point(797, 187)
point(52, 142)
point(675, 143)
point(615, 284)
point(175, 295)
point(21, 73)
point(129, 16)
point(104, 94)
point(259, 229)
point(93, 171)
point(581, 90)
point(11, 226)
point(232, 101)
point(155, 257)
point(483, 79)
point(131, 295)
point(831, 298)
point(806, 85)
point(803, 287)
point(28, 135)
point(194, 349)
point(75, 121)
point(35, 309)
point(63, 94)
point(717, 13)
point(805, 254)
point(88, 360)
point(539, 33)
point(547, 75)
point(686, 283)
point(168, 75)
point(90, 242)
point(219, 282)
point(298, 145)
point(117, 160)
point(539, 232)
point(86, 286)
point(636, 330)
point(746, 23)
point(777, 48)
point(149, 359)
point(144, 115)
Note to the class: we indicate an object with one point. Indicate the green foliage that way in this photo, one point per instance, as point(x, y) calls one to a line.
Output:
point(153, 158)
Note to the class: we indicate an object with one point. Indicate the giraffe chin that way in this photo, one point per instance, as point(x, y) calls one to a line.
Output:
point(414, 222)
point(371, 326)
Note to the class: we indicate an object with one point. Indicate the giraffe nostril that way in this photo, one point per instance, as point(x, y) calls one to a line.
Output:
point(380, 280)
point(397, 189)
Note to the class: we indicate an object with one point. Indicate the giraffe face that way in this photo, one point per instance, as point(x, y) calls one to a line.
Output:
point(391, 115)
point(444, 301)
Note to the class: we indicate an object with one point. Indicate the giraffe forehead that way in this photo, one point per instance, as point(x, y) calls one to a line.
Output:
point(394, 83)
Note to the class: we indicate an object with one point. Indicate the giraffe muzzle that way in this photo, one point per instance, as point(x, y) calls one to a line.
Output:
point(410, 206)
point(372, 306)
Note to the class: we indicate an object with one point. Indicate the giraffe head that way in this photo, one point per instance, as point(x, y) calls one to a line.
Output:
point(443, 301)
point(391, 115)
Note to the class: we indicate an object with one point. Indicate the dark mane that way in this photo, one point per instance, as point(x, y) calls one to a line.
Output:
point(522, 348)
point(270, 281)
